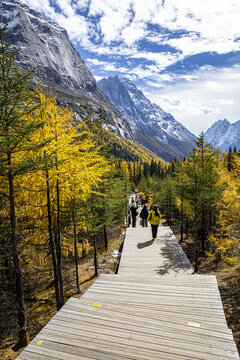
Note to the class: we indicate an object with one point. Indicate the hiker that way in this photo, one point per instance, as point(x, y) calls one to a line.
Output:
point(144, 216)
point(129, 219)
point(137, 198)
point(154, 218)
point(134, 213)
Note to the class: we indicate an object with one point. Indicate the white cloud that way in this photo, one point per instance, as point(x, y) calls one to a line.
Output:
point(162, 60)
point(106, 65)
point(154, 84)
point(195, 98)
point(41, 6)
point(98, 78)
point(215, 22)
point(134, 32)
point(210, 25)
point(66, 8)
point(95, 62)
point(226, 102)
point(197, 104)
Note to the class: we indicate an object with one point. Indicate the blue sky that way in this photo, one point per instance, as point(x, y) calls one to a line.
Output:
point(184, 55)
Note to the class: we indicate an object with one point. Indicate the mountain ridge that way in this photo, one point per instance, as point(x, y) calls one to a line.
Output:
point(223, 134)
point(151, 125)
point(43, 43)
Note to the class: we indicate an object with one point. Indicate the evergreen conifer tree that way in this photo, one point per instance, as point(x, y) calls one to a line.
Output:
point(230, 159)
point(16, 130)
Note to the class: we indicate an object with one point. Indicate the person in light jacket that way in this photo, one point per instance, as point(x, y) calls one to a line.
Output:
point(154, 218)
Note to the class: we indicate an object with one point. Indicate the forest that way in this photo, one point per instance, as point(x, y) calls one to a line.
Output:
point(65, 187)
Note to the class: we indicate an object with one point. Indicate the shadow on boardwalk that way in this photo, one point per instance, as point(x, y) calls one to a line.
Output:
point(142, 245)
point(174, 259)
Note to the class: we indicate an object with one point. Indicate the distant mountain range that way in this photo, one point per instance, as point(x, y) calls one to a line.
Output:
point(44, 44)
point(151, 125)
point(130, 114)
point(223, 134)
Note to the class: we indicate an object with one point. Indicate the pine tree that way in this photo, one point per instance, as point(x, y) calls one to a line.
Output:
point(198, 184)
point(230, 159)
point(16, 143)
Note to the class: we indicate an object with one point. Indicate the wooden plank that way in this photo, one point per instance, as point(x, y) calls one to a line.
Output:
point(129, 312)
point(140, 326)
point(163, 317)
point(153, 309)
point(146, 342)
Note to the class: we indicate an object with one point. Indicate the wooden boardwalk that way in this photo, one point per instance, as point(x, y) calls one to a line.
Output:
point(146, 258)
point(155, 308)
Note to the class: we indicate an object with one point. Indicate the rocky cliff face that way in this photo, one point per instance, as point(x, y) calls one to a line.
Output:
point(223, 134)
point(44, 44)
point(151, 125)
point(47, 45)
point(130, 115)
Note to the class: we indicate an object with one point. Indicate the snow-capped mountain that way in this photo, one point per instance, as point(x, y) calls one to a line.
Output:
point(44, 44)
point(47, 45)
point(223, 134)
point(151, 125)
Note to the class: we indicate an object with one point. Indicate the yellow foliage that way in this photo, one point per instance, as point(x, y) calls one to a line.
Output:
point(187, 207)
point(71, 159)
point(124, 169)
point(226, 238)
point(150, 198)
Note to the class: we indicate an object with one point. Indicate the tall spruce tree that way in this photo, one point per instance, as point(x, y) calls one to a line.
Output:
point(198, 182)
point(16, 130)
point(230, 159)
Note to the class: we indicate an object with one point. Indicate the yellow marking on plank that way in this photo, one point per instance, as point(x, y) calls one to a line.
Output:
point(39, 342)
point(194, 324)
point(96, 305)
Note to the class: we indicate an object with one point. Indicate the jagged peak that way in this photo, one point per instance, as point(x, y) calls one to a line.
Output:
point(223, 134)
point(146, 118)
point(32, 12)
point(224, 122)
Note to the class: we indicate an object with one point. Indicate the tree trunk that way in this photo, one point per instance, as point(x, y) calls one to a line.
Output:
point(181, 240)
point(203, 229)
point(186, 227)
point(75, 251)
point(59, 247)
point(52, 245)
point(95, 254)
point(196, 240)
point(210, 220)
point(170, 209)
point(21, 313)
point(105, 237)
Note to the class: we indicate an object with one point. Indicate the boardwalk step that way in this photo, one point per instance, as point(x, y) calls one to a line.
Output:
point(154, 309)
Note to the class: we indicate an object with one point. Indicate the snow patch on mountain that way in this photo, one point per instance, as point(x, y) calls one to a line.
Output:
point(141, 113)
point(44, 44)
point(223, 134)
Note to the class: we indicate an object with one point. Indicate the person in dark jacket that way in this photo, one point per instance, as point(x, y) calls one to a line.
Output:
point(144, 216)
point(134, 213)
